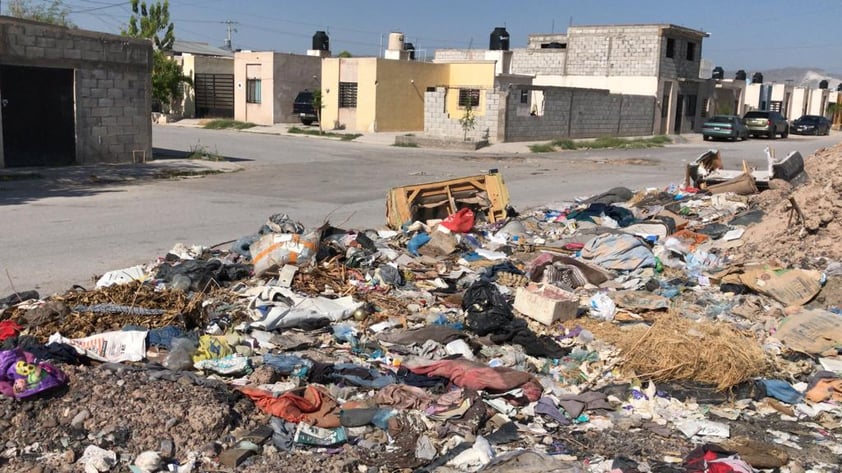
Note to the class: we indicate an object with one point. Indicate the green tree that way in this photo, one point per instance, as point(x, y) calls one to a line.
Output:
point(468, 120)
point(345, 54)
point(167, 81)
point(52, 11)
point(318, 105)
point(152, 22)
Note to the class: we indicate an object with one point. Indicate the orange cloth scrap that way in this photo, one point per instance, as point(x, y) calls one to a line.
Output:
point(311, 405)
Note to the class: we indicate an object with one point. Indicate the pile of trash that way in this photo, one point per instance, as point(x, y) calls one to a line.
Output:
point(693, 328)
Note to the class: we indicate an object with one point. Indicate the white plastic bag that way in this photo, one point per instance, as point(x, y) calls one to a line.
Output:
point(602, 307)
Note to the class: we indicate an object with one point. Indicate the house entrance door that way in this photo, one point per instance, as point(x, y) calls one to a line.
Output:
point(38, 116)
point(679, 113)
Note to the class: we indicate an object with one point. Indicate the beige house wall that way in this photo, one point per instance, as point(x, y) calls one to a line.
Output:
point(818, 102)
point(632, 85)
point(260, 66)
point(399, 103)
point(753, 96)
point(281, 76)
point(390, 93)
point(799, 102)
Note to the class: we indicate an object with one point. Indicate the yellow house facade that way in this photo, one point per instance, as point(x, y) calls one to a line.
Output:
point(373, 94)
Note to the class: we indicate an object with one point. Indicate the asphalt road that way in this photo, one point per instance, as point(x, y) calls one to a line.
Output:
point(56, 239)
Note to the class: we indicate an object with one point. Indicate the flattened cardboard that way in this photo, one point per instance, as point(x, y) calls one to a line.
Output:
point(791, 287)
point(811, 331)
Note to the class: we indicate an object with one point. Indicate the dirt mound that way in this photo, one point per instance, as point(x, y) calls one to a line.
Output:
point(122, 410)
point(782, 236)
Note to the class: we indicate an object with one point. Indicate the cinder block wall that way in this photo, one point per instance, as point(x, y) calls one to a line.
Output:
point(538, 61)
point(437, 122)
point(580, 113)
point(112, 83)
point(628, 50)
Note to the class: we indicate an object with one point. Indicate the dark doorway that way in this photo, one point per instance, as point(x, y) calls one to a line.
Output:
point(38, 118)
point(214, 95)
point(679, 114)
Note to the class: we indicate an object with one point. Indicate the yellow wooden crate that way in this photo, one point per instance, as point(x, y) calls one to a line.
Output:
point(484, 194)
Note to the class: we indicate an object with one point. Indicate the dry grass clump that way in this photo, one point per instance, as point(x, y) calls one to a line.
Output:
point(678, 349)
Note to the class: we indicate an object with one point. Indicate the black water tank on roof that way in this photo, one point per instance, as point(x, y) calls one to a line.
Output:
point(839, 87)
point(321, 42)
point(823, 84)
point(741, 75)
point(757, 78)
point(499, 39)
point(718, 72)
point(411, 49)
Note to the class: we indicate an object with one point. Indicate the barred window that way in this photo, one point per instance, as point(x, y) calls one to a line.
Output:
point(524, 96)
point(347, 95)
point(468, 97)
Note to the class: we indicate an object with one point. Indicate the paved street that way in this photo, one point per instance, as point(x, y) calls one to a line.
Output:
point(53, 237)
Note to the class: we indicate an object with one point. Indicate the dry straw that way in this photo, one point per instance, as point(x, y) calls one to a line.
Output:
point(675, 348)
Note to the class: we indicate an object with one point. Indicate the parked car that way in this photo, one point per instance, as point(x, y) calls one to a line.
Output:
point(811, 125)
point(766, 123)
point(303, 107)
point(729, 127)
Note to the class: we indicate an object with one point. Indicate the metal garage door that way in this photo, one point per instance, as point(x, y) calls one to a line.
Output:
point(214, 95)
point(38, 118)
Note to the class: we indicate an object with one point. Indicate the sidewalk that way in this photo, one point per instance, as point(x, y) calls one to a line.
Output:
point(109, 173)
point(380, 138)
point(388, 138)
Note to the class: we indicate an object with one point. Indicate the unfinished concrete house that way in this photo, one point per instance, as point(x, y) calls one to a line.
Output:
point(69, 96)
point(644, 75)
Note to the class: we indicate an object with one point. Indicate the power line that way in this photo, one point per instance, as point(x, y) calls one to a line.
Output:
point(230, 26)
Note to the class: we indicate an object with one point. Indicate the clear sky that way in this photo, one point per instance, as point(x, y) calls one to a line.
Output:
point(744, 34)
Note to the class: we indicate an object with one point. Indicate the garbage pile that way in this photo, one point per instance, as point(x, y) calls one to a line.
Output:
point(664, 330)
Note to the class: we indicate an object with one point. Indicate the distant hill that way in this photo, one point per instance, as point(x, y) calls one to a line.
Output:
point(801, 76)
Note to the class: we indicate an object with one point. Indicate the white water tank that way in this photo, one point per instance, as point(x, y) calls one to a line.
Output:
point(395, 41)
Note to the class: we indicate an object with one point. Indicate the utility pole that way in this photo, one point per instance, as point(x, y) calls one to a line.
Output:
point(230, 24)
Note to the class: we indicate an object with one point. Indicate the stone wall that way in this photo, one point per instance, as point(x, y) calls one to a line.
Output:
point(437, 122)
point(112, 84)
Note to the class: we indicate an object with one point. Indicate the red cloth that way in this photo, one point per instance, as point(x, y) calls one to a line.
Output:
point(476, 376)
point(460, 222)
point(8, 329)
point(311, 405)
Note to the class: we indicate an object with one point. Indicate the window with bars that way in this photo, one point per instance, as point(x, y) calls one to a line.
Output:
point(524, 96)
point(347, 95)
point(468, 97)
